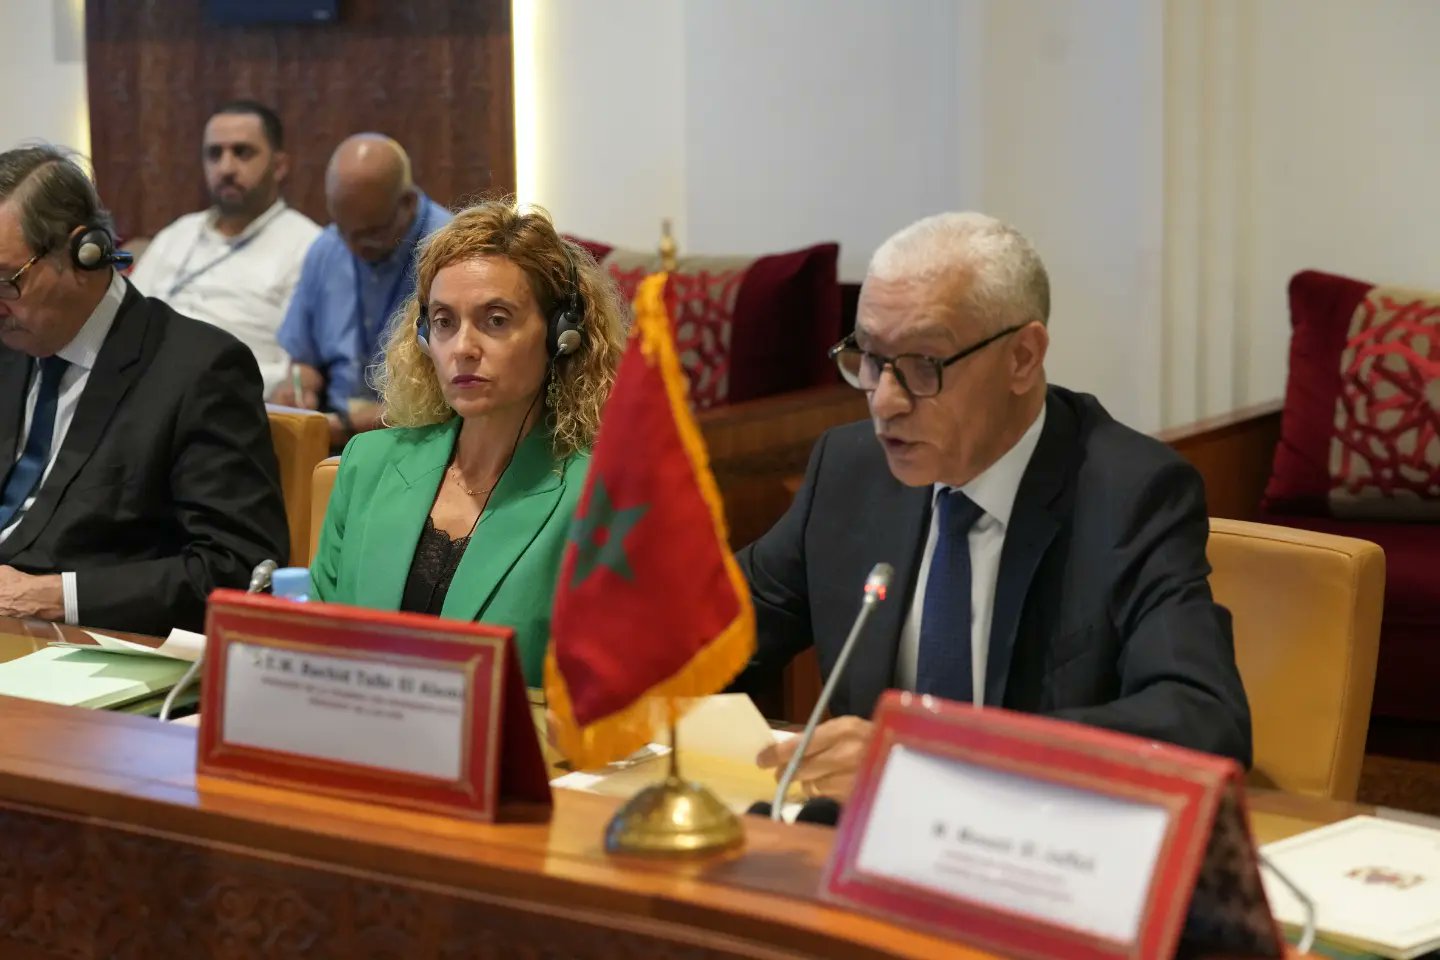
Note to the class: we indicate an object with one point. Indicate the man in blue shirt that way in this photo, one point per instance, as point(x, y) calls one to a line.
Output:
point(356, 275)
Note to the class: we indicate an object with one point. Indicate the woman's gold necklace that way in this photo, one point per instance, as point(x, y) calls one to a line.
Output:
point(454, 474)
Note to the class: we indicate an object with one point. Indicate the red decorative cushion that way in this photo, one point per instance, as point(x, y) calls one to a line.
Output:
point(1358, 435)
point(744, 327)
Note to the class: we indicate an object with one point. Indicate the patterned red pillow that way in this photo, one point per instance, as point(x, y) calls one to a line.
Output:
point(745, 327)
point(1358, 435)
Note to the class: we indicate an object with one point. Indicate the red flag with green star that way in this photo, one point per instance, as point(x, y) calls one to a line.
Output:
point(650, 602)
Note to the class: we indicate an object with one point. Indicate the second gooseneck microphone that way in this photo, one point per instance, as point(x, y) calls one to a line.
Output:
point(876, 586)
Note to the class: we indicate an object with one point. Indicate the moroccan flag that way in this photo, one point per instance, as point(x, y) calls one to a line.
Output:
point(650, 602)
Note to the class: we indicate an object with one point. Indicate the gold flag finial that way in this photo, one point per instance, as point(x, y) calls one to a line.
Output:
point(668, 250)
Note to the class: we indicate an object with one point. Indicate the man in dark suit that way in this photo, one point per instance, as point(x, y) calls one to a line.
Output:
point(1047, 558)
point(136, 467)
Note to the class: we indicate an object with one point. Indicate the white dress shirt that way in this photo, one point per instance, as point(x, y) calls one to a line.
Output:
point(241, 284)
point(994, 492)
point(82, 353)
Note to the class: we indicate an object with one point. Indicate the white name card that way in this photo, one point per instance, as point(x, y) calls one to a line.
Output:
point(1077, 859)
point(1034, 837)
point(397, 708)
point(346, 709)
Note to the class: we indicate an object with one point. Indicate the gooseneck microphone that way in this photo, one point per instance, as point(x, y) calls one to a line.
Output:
point(259, 581)
point(876, 586)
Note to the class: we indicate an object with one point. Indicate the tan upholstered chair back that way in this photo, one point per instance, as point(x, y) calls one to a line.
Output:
point(1307, 628)
point(302, 439)
point(322, 481)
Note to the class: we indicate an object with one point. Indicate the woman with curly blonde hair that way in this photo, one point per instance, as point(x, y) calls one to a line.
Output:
point(493, 381)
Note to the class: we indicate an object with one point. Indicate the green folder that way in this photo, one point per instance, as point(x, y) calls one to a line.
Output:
point(85, 678)
point(149, 706)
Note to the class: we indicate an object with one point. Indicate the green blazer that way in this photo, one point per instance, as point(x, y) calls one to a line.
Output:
point(383, 493)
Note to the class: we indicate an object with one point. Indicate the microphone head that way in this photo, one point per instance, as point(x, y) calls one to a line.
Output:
point(879, 580)
point(822, 810)
point(260, 576)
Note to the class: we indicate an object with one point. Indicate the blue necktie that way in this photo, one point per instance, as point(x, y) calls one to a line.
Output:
point(25, 475)
point(944, 668)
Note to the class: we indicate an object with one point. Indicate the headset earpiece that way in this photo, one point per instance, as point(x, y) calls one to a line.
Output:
point(567, 342)
point(422, 330)
point(567, 326)
point(93, 248)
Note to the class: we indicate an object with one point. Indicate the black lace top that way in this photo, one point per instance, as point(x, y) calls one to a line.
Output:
point(436, 558)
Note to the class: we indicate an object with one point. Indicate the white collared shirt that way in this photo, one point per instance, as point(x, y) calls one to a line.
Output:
point(241, 284)
point(994, 492)
point(82, 352)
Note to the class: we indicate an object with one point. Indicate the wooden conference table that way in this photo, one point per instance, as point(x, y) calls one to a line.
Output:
point(112, 847)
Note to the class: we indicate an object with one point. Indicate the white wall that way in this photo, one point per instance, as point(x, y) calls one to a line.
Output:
point(755, 126)
point(42, 70)
point(609, 82)
point(820, 120)
point(1072, 135)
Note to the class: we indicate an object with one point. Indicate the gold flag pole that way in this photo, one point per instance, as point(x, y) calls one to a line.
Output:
point(674, 817)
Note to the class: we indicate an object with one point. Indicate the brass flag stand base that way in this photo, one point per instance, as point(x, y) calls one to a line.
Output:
point(673, 818)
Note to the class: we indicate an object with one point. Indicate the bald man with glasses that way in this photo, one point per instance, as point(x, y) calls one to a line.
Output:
point(1047, 558)
point(356, 275)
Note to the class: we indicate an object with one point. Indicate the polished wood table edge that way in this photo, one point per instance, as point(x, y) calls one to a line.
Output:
point(1219, 424)
point(138, 774)
point(46, 631)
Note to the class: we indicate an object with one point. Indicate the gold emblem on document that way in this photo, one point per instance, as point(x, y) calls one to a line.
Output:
point(1385, 877)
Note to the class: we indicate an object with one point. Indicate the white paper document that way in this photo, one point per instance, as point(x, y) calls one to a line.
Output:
point(1077, 859)
point(346, 709)
point(1375, 884)
point(179, 645)
point(719, 739)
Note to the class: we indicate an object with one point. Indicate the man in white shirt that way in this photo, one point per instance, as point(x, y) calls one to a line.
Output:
point(1046, 558)
point(137, 473)
point(236, 264)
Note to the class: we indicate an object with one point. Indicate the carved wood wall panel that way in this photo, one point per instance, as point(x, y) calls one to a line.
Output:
point(434, 74)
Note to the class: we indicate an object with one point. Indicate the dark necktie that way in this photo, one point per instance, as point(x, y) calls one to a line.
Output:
point(943, 668)
point(25, 475)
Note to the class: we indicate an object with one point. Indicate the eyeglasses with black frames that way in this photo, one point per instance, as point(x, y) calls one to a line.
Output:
point(918, 375)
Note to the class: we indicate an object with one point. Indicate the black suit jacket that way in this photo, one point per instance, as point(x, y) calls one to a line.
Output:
point(166, 485)
point(1102, 611)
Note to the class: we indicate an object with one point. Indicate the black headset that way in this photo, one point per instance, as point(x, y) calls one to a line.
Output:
point(565, 328)
point(93, 248)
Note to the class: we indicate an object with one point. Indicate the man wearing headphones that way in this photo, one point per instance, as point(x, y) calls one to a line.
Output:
point(137, 472)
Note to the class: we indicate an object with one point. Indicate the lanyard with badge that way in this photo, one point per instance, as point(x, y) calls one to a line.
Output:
point(183, 279)
point(368, 332)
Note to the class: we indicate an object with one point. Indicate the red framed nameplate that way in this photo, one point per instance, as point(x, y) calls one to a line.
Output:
point(391, 708)
point(1040, 838)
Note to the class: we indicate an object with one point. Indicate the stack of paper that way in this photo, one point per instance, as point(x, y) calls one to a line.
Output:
point(88, 678)
point(103, 672)
point(1375, 884)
